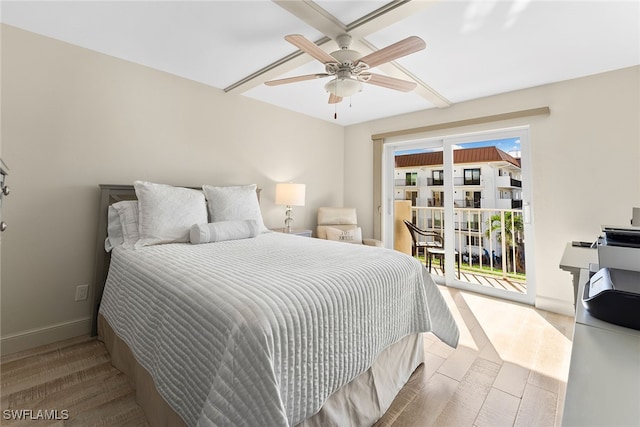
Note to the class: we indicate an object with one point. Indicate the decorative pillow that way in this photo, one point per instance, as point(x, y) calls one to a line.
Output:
point(128, 214)
point(234, 203)
point(223, 230)
point(167, 213)
point(348, 236)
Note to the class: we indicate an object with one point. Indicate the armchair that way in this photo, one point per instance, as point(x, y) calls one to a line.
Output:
point(343, 219)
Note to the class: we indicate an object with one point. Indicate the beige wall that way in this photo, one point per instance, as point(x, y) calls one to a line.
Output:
point(73, 118)
point(585, 160)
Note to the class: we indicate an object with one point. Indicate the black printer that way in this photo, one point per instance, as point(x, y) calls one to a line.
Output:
point(613, 293)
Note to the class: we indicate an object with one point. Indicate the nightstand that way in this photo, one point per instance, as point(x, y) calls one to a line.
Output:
point(297, 231)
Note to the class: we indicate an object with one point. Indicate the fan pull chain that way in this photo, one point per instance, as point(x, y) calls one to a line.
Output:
point(335, 111)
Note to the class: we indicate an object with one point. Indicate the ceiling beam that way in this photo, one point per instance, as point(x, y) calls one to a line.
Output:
point(274, 70)
point(314, 16)
point(393, 69)
point(387, 15)
point(318, 18)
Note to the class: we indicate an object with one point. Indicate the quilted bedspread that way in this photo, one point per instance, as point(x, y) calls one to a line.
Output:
point(261, 331)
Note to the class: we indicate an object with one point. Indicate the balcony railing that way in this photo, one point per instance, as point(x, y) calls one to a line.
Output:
point(467, 226)
point(404, 183)
point(505, 181)
point(459, 181)
point(478, 237)
point(434, 182)
point(467, 203)
point(508, 203)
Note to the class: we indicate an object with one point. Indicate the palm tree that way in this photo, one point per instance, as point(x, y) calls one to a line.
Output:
point(513, 229)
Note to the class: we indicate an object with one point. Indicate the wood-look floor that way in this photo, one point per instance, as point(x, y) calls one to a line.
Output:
point(510, 369)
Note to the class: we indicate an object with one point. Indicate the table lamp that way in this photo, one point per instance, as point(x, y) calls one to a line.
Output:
point(289, 194)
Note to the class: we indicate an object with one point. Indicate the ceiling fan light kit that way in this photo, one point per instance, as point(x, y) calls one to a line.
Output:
point(343, 86)
point(349, 68)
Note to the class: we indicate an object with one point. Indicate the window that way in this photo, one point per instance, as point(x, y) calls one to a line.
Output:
point(411, 195)
point(411, 178)
point(438, 198)
point(472, 177)
point(438, 177)
point(473, 240)
point(472, 199)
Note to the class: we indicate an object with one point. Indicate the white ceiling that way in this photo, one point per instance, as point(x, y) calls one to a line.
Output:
point(474, 48)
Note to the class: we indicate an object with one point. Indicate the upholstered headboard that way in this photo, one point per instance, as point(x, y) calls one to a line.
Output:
point(109, 194)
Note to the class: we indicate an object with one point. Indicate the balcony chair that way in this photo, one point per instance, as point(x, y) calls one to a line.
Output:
point(432, 245)
point(343, 219)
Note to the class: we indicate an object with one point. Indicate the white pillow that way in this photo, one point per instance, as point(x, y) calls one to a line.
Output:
point(348, 236)
point(234, 203)
point(128, 214)
point(223, 230)
point(114, 230)
point(167, 213)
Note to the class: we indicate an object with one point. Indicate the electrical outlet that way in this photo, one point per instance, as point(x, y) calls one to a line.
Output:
point(81, 292)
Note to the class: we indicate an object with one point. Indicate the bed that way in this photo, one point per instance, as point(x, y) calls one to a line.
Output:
point(271, 329)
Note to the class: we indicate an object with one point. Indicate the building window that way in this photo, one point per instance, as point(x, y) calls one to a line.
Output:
point(472, 177)
point(411, 195)
point(438, 177)
point(438, 199)
point(472, 199)
point(411, 178)
point(473, 240)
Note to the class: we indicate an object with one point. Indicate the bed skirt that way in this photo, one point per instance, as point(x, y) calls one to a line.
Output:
point(361, 402)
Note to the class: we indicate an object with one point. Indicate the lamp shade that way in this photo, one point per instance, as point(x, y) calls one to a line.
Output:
point(290, 194)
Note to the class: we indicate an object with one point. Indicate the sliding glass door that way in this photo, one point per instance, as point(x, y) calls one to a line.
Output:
point(472, 190)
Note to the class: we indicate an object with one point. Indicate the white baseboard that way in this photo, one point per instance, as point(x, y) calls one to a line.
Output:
point(26, 340)
point(555, 305)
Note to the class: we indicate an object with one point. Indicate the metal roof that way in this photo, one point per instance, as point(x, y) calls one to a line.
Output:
point(460, 156)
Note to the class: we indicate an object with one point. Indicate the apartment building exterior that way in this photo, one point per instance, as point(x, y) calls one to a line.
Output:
point(484, 177)
point(487, 181)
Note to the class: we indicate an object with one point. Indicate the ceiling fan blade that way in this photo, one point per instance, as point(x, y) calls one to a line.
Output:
point(334, 99)
point(295, 79)
point(306, 45)
point(397, 50)
point(391, 82)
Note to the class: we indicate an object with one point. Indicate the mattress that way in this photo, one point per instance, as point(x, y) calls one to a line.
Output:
point(262, 331)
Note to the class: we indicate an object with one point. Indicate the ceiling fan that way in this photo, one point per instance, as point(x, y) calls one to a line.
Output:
point(349, 68)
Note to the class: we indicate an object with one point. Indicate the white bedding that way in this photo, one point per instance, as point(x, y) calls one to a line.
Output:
point(261, 331)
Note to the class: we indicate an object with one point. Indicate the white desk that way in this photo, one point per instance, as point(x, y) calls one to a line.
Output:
point(574, 259)
point(603, 388)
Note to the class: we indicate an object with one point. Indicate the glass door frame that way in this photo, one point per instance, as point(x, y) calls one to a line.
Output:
point(447, 143)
